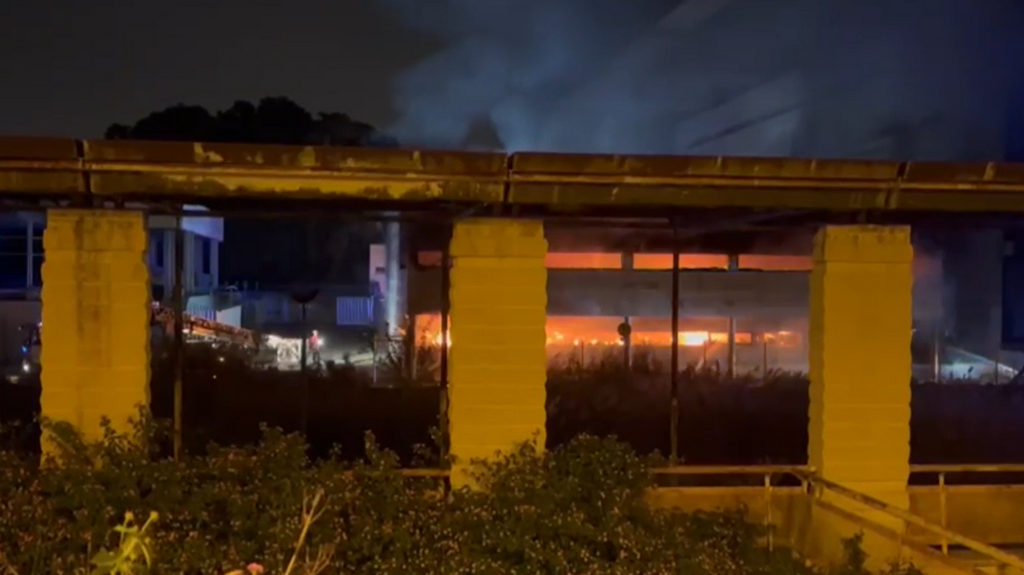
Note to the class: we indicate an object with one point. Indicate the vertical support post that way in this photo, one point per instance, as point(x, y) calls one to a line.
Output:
point(411, 349)
point(304, 392)
point(627, 343)
point(943, 518)
point(189, 263)
point(30, 256)
point(178, 353)
point(626, 329)
point(764, 360)
point(446, 268)
point(768, 520)
point(734, 265)
point(936, 356)
point(167, 273)
point(674, 381)
point(214, 264)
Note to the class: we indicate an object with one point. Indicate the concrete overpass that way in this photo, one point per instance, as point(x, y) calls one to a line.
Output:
point(217, 175)
point(96, 285)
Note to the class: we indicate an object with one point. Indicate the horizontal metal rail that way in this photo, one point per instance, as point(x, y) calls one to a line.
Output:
point(941, 470)
point(893, 511)
point(732, 470)
point(968, 468)
point(797, 470)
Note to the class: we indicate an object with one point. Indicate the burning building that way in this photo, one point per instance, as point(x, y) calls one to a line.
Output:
point(610, 292)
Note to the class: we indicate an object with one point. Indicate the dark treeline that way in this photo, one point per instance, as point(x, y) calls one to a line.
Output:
point(269, 121)
point(274, 252)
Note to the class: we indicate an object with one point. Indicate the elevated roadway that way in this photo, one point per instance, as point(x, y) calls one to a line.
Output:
point(88, 172)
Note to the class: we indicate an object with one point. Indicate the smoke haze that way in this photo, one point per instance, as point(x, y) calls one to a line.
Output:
point(926, 79)
point(505, 61)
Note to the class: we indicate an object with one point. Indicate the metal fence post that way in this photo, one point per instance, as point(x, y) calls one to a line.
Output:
point(674, 385)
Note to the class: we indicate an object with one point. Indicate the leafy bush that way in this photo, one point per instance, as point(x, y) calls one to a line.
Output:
point(580, 509)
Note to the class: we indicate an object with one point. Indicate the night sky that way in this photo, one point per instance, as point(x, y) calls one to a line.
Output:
point(73, 68)
point(933, 80)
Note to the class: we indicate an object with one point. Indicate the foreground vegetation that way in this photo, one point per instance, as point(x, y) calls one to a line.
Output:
point(580, 509)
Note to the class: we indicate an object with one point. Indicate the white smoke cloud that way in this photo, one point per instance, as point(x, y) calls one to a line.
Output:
point(506, 60)
point(869, 78)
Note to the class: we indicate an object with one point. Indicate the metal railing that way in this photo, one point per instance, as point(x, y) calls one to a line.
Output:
point(1006, 559)
point(808, 480)
point(767, 472)
point(941, 470)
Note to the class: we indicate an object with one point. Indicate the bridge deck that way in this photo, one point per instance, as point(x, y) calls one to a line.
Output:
point(128, 170)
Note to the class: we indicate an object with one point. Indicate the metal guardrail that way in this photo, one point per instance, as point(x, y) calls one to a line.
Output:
point(999, 555)
point(807, 478)
point(941, 470)
point(806, 475)
point(768, 472)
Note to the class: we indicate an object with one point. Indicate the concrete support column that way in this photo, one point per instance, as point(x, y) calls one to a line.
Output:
point(498, 360)
point(860, 368)
point(96, 312)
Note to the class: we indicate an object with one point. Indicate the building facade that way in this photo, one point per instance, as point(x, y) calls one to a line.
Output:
point(21, 277)
point(22, 253)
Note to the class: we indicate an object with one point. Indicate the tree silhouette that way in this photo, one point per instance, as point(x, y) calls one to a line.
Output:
point(270, 121)
point(290, 250)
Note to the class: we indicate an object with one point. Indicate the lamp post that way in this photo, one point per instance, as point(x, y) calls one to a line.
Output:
point(303, 296)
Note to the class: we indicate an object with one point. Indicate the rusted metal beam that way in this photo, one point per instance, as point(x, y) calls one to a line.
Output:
point(154, 169)
point(780, 183)
point(40, 167)
point(135, 171)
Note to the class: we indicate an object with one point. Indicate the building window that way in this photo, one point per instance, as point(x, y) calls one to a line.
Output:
point(206, 246)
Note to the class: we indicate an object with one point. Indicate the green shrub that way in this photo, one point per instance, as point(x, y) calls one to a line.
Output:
point(579, 509)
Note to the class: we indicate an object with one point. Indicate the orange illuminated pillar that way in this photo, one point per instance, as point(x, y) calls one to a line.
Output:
point(860, 368)
point(96, 313)
point(498, 358)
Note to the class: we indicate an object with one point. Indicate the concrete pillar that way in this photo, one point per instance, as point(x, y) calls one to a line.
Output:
point(498, 315)
point(95, 300)
point(860, 368)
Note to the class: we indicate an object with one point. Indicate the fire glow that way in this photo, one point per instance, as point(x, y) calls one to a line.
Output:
point(657, 339)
